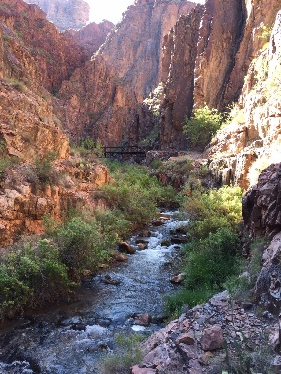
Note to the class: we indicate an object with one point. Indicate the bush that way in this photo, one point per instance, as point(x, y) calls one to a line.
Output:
point(201, 127)
point(44, 168)
point(31, 277)
point(82, 246)
point(174, 303)
point(210, 261)
point(129, 355)
point(136, 194)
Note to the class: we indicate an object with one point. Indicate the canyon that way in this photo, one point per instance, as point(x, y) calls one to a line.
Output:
point(135, 83)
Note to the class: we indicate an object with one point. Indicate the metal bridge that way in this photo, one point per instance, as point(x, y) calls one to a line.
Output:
point(125, 153)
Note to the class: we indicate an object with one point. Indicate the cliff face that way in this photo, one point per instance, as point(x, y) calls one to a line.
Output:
point(66, 14)
point(32, 55)
point(54, 55)
point(178, 64)
point(92, 36)
point(253, 139)
point(105, 97)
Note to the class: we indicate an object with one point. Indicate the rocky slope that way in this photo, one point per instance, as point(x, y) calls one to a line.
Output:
point(66, 14)
point(126, 69)
point(35, 58)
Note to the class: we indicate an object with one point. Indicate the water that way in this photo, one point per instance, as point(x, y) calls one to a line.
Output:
point(72, 339)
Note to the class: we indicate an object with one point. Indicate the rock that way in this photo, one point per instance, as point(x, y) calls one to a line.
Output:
point(145, 234)
point(121, 258)
point(127, 248)
point(71, 14)
point(143, 319)
point(246, 305)
point(212, 338)
point(137, 370)
point(109, 280)
point(157, 222)
point(194, 367)
point(186, 338)
point(142, 246)
point(177, 239)
point(178, 278)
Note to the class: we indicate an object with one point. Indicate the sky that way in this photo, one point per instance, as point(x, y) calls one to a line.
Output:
point(108, 9)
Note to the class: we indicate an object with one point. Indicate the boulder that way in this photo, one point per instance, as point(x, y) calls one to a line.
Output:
point(137, 370)
point(127, 248)
point(186, 338)
point(178, 278)
point(143, 319)
point(212, 338)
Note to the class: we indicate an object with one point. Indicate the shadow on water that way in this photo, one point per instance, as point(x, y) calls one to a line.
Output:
point(70, 339)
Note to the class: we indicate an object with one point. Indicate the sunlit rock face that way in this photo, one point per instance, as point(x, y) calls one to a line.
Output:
point(252, 141)
point(66, 14)
point(104, 99)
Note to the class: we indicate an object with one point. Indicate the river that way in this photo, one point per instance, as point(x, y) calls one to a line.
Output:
point(77, 337)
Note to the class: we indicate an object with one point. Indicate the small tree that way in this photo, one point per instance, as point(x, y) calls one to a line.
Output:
point(201, 127)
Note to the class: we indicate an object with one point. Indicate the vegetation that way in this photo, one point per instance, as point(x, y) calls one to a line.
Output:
point(136, 194)
point(6, 161)
point(201, 127)
point(44, 168)
point(88, 146)
point(128, 354)
point(35, 273)
point(212, 255)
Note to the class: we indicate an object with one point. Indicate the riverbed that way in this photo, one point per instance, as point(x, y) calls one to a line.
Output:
point(75, 338)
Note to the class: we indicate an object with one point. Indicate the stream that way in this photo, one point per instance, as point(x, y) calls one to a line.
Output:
point(76, 338)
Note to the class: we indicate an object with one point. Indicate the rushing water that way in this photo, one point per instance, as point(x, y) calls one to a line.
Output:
point(73, 339)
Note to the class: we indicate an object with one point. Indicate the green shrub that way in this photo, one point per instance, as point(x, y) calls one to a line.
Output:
point(136, 193)
point(211, 260)
point(88, 146)
point(82, 246)
point(44, 168)
point(174, 303)
point(31, 277)
point(128, 355)
point(201, 127)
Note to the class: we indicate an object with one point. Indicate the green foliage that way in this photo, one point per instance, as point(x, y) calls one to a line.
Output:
point(174, 304)
point(128, 355)
point(82, 246)
point(210, 261)
point(201, 127)
point(136, 193)
point(44, 168)
point(213, 253)
point(31, 277)
point(6, 161)
point(88, 147)
point(266, 32)
point(240, 287)
point(15, 83)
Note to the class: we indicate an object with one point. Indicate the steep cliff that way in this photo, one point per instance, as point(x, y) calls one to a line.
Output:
point(252, 141)
point(104, 98)
point(66, 14)
point(32, 55)
point(92, 36)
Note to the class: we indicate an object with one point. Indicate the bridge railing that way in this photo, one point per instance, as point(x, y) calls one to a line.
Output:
point(117, 152)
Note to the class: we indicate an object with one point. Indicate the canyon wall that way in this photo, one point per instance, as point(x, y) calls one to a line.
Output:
point(65, 14)
point(104, 99)
point(252, 141)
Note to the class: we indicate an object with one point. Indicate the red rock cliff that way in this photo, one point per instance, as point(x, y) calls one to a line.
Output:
point(101, 98)
point(66, 14)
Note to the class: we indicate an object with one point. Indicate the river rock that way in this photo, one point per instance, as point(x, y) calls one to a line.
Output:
point(178, 278)
point(145, 234)
point(127, 248)
point(212, 338)
point(178, 239)
point(143, 319)
point(142, 246)
point(121, 258)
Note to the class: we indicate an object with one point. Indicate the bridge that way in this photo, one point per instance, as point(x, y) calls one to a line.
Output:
point(125, 153)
